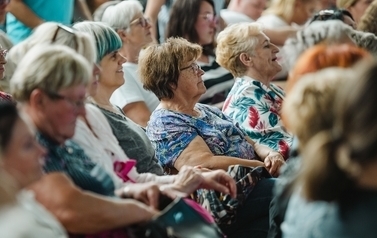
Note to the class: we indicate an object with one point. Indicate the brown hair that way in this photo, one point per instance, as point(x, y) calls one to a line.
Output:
point(159, 65)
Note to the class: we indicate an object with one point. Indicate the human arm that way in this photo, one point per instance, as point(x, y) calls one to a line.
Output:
point(151, 11)
point(138, 112)
point(24, 14)
point(84, 9)
point(278, 36)
point(197, 153)
point(85, 212)
point(273, 160)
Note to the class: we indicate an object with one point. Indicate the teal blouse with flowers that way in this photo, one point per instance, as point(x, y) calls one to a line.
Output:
point(171, 132)
point(256, 108)
point(70, 159)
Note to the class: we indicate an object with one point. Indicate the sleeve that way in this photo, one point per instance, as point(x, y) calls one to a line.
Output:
point(170, 133)
point(128, 93)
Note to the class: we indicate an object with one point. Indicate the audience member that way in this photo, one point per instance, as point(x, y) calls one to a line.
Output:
point(337, 178)
point(25, 15)
point(254, 102)
point(243, 11)
point(21, 165)
point(196, 21)
point(134, 30)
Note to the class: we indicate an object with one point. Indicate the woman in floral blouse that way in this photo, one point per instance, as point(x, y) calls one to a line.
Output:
point(253, 102)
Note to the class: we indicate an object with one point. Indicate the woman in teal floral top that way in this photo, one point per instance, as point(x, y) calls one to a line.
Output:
point(254, 102)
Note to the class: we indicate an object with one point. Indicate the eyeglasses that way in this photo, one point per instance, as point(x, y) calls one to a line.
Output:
point(211, 18)
point(194, 66)
point(3, 53)
point(144, 22)
point(77, 104)
point(66, 29)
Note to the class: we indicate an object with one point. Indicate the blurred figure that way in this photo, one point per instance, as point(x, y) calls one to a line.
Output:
point(337, 14)
point(243, 11)
point(303, 122)
point(368, 20)
point(3, 12)
point(336, 191)
point(356, 7)
point(3, 54)
point(21, 160)
point(25, 15)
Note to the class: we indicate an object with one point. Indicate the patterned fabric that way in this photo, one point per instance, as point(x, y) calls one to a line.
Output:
point(257, 108)
point(171, 132)
point(5, 97)
point(71, 159)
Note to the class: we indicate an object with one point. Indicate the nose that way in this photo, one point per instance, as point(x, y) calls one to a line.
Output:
point(122, 59)
point(81, 111)
point(201, 72)
point(275, 49)
point(42, 150)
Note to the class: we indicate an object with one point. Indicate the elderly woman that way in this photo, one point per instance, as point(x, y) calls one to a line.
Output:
point(185, 132)
point(21, 165)
point(254, 102)
point(196, 21)
point(53, 104)
point(134, 30)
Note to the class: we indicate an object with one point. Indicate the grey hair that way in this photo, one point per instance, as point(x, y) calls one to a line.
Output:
point(83, 43)
point(49, 68)
point(332, 31)
point(98, 13)
point(119, 16)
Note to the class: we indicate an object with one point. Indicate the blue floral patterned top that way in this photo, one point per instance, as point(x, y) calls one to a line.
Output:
point(171, 132)
point(70, 159)
point(257, 108)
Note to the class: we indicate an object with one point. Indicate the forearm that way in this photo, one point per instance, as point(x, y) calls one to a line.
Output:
point(148, 177)
point(222, 162)
point(24, 14)
point(89, 213)
point(151, 11)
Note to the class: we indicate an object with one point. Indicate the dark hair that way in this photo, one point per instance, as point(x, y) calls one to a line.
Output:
point(325, 15)
point(334, 158)
point(183, 16)
point(8, 118)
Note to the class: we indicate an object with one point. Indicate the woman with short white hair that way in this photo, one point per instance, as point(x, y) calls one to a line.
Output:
point(254, 102)
point(127, 19)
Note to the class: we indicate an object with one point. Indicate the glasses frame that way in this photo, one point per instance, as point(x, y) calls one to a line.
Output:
point(77, 104)
point(143, 21)
point(195, 67)
point(211, 18)
point(3, 53)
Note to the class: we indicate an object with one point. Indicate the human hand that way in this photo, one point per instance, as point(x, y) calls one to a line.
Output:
point(186, 181)
point(148, 193)
point(273, 162)
point(220, 181)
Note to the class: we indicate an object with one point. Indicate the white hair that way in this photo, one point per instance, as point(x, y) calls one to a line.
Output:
point(50, 68)
point(331, 31)
point(119, 16)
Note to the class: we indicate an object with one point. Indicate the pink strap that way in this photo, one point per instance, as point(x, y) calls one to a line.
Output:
point(123, 168)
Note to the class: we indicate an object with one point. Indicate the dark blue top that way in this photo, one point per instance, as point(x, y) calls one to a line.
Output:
point(72, 160)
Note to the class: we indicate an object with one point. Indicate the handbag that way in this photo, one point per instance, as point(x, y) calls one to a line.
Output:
point(182, 218)
point(222, 206)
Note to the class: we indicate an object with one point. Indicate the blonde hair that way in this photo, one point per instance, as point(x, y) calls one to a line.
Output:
point(49, 68)
point(233, 41)
point(345, 3)
point(283, 8)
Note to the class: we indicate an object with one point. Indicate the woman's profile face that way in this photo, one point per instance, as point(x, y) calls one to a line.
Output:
point(205, 24)
point(111, 76)
point(23, 157)
point(139, 33)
